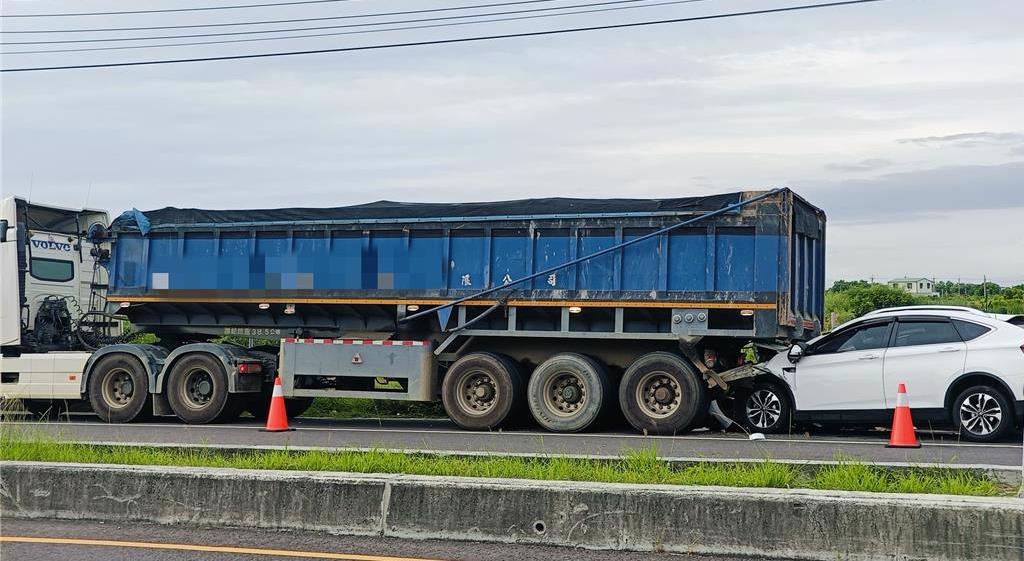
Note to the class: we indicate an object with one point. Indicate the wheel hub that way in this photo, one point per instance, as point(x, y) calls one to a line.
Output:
point(659, 394)
point(980, 414)
point(571, 394)
point(479, 393)
point(565, 394)
point(118, 389)
point(199, 388)
point(763, 409)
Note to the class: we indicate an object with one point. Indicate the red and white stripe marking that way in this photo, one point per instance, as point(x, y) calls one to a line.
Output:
point(384, 343)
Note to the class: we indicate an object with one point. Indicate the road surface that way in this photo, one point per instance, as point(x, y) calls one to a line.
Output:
point(46, 540)
point(442, 436)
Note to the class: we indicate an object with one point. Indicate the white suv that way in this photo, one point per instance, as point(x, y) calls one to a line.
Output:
point(961, 367)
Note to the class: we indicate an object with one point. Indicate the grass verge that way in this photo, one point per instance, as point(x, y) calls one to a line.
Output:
point(642, 466)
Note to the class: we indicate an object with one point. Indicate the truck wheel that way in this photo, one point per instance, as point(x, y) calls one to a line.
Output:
point(569, 392)
point(197, 389)
point(482, 390)
point(764, 408)
point(982, 414)
point(118, 388)
point(661, 393)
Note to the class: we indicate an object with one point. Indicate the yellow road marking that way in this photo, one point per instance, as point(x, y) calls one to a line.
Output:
point(208, 549)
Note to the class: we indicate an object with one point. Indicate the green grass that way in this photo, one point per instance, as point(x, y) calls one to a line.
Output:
point(349, 408)
point(641, 466)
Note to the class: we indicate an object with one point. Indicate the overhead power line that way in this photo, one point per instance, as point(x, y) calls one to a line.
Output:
point(170, 10)
point(338, 33)
point(268, 22)
point(351, 25)
point(443, 41)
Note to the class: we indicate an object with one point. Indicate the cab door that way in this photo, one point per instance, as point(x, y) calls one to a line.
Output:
point(844, 371)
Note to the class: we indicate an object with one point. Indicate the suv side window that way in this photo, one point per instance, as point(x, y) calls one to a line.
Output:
point(872, 336)
point(969, 330)
point(911, 333)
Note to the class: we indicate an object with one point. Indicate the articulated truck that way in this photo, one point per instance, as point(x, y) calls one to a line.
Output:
point(564, 311)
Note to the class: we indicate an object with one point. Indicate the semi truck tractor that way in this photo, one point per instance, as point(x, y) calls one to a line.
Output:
point(564, 311)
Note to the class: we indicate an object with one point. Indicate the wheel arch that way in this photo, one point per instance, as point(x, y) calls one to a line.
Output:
point(151, 357)
point(775, 380)
point(969, 379)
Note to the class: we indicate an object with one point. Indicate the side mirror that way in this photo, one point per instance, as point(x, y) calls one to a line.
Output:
point(796, 352)
point(3, 230)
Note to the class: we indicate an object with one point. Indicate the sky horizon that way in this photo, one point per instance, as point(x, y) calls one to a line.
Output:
point(901, 119)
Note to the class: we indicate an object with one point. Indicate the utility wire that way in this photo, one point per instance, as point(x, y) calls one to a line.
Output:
point(340, 26)
point(267, 22)
point(442, 41)
point(170, 10)
point(337, 33)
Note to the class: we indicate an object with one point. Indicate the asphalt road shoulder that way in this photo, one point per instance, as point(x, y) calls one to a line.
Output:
point(84, 540)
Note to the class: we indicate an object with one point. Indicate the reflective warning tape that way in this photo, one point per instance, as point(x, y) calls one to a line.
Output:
point(901, 400)
point(278, 391)
point(384, 343)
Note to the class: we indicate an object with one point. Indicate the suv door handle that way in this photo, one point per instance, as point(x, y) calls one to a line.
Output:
point(867, 357)
point(949, 350)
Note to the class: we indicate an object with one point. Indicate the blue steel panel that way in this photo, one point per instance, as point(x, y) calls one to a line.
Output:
point(129, 270)
point(551, 247)
point(766, 263)
point(344, 262)
point(426, 260)
point(640, 262)
point(508, 255)
point(232, 261)
point(687, 260)
point(734, 264)
point(164, 255)
point(598, 273)
point(466, 268)
point(411, 260)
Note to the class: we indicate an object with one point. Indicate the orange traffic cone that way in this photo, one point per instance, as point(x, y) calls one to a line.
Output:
point(903, 435)
point(277, 419)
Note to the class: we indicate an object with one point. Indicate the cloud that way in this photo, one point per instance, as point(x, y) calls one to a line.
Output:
point(967, 139)
point(916, 194)
point(869, 164)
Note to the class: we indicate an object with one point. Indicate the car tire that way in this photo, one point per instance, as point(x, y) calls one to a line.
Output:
point(482, 391)
point(982, 414)
point(197, 389)
point(683, 405)
point(569, 392)
point(764, 407)
point(118, 388)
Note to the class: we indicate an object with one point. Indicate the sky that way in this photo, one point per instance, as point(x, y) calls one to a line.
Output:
point(902, 119)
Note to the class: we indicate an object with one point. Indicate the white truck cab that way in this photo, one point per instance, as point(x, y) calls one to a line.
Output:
point(48, 279)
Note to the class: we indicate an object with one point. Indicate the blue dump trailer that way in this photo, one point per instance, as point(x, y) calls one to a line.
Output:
point(564, 310)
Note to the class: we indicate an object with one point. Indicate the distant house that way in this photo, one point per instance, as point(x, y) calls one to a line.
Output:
point(917, 287)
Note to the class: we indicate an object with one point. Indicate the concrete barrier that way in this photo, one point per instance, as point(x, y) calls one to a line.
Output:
point(796, 524)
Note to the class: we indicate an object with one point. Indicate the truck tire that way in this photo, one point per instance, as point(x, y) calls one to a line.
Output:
point(197, 389)
point(982, 414)
point(765, 407)
point(118, 388)
point(569, 392)
point(482, 391)
point(662, 394)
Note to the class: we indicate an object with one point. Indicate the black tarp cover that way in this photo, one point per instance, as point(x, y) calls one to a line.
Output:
point(171, 216)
